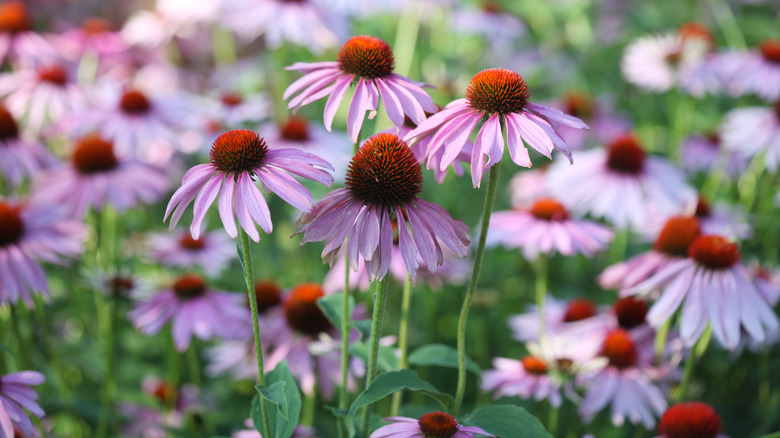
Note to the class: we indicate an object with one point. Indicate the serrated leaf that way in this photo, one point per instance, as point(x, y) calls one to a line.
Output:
point(331, 305)
point(507, 421)
point(386, 359)
point(280, 427)
point(275, 394)
point(443, 356)
point(389, 383)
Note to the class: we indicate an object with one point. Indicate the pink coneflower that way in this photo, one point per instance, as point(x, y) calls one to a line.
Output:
point(559, 317)
point(19, 158)
point(670, 246)
point(42, 94)
point(212, 251)
point(194, 309)
point(622, 184)
point(300, 431)
point(236, 158)
point(296, 132)
point(704, 154)
point(420, 149)
point(301, 22)
point(657, 63)
point(527, 186)
point(233, 110)
point(30, 233)
point(500, 96)
point(752, 131)
point(96, 177)
point(624, 382)
point(383, 184)
point(16, 396)
point(93, 37)
point(498, 27)
point(604, 126)
point(17, 40)
point(432, 424)
point(527, 378)
point(758, 71)
point(367, 62)
point(715, 288)
point(142, 126)
point(171, 405)
point(690, 420)
point(546, 228)
point(722, 219)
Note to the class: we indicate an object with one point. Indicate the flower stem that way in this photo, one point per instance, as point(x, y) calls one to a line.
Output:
point(250, 290)
point(696, 353)
point(345, 317)
point(377, 318)
point(552, 420)
point(490, 196)
point(109, 383)
point(540, 292)
point(403, 335)
point(660, 340)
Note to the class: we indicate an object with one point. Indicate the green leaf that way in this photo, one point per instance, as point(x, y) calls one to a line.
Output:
point(507, 421)
point(6, 350)
point(391, 382)
point(281, 427)
point(275, 394)
point(240, 252)
point(364, 327)
point(443, 356)
point(386, 359)
point(331, 306)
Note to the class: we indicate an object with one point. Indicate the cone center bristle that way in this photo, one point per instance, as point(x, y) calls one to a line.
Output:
point(714, 252)
point(54, 75)
point(135, 103)
point(630, 312)
point(93, 155)
point(295, 129)
point(497, 91)
point(11, 224)
point(302, 312)
point(384, 172)
point(267, 294)
point(366, 57)
point(770, 50)
point(677, 235)
point(619, 349)
point(579, 309)
point(238, 151)
point(438, 425)
point(534, 365)
point(189, 286)
point(189, 243)
point(549, 210)
point(625, 155)
point(690, 420)
point(9, 130)
point(14, 17)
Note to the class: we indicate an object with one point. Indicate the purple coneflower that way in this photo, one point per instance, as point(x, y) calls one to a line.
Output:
point(300, 431)
point(546, 228)
point(704, 154)
point(211, 251)
point(559, 317)
point(236, 158)
point(96, 177)
point(622, 184)
point(722, 219)
point(716, 289)
point(604, 126)
point(367, 62)
point(19, 158)
point(420, 150)
point(195, 310)
point(382, 186)
point(16, 396)
point(690, 420)
point(527, 378)
point(17, 40)
point(752, 131)
point(42, 94)
point(527, 186)
point(432, 424)
point(28, 233)
point(501, 97)
point(758, 71)
point(498, 27)
point(93, 37)
point(671, 245)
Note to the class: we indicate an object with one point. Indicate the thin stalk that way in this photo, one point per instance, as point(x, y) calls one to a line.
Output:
point(109, 384)
point(343, 392)
point(250, 290)
point(377, 318)
point(540, 292)
point(696, 353)
point(42, 321)
point(552, 420)
point(197, 380)
point(403, 335)
point(490, 196)
point(660, 340)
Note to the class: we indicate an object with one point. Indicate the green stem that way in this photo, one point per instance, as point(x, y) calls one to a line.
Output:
point(403, 335)
point(540, 292)
point(52, 358)
point(194, 367)
point(660, 340)
point(696, 353)
point(552, 421)
point(250, 290)
point(490, 196)
point(377, 318)
point(345, 317)
point(109, 384)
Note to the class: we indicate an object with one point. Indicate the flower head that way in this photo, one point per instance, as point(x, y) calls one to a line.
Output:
point(16, 396)
point(530, 377)
point(690, 420)
point(19, 158)
point(368, 63)
point(236, 158)
point(752, 131)
point(212, 251)
point(430, 425)
point(501, 97)
point(383, 183)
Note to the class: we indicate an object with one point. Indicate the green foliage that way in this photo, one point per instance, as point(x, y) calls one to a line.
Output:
point(281, 391)
point(443, 356)
point(507, 421)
